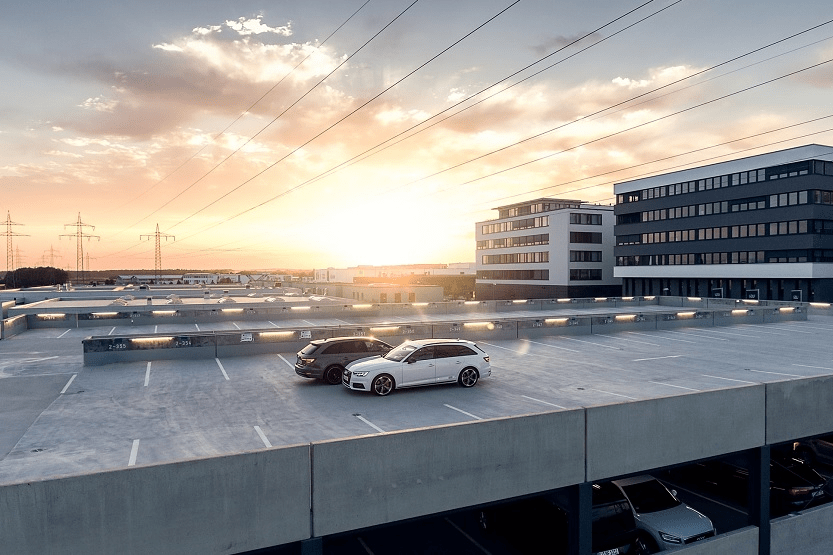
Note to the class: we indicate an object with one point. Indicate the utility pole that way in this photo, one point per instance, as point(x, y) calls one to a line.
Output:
point(52, 252)
point(9, 250)
point(80, 235)
point(157, 259)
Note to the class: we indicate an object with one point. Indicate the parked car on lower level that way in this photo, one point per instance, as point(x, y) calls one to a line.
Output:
point(614, 530)
point(325, 359)
point(666, 522)
point(417, 363)
point(816, 450)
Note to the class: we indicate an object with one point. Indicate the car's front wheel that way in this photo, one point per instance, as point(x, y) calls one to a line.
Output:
point(333, 375)
point(383, 385)
point(468, 377)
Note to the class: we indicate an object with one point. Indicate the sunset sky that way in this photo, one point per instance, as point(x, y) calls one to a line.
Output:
point(252, 133)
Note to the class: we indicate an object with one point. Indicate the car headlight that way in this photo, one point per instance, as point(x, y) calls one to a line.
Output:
point(669, 538)
point(486, 358)
point(360, 374)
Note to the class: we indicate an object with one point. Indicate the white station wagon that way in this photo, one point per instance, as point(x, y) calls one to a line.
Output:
point(418, 363)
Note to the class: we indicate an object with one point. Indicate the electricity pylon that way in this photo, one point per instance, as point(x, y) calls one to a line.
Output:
point(9, 234)
point(80, 235)
point(157, 258)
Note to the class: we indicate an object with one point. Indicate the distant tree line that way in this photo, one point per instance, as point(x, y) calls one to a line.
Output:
point(35, 277)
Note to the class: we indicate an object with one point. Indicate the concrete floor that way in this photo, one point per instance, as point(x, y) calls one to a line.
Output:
point(58, 417)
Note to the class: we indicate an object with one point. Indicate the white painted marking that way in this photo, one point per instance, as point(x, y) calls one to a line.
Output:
point(235, 325)
point(553, 346)
point(690, 334)
point(273, 323)
point(371, 424)
point(677, 386)
point(64, 390)
point(544, 402)
point(727, 379)
point(522, 353)
point(262, 436)
point(722, 332)
point(778, 373)
point(133, 452)
point(63, 334)
point(343, 322)
point(223, 370)
point(790, 330)
point(709, 499)
point(364, 545)
point(760, 331)
point(628, 340)
point(464, 412)
point(307, 322)
point(147, 375)
point(286, 361)
point(590, 343)
point(663, 337)
point(611, 393)
point(112, 330)
point(656, 358)
point(31, 360)
point(468, 537)
point(155, 328)
point(814, 367)
point(197, 326)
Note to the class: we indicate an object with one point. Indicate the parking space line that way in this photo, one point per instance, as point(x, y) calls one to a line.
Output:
point(611, 393)
point(112, 330)
point(722, 332)
point(544, 402)
point(198, 327)
point(134, 451)
point(728, 379)
point(64, 390)
point(792, 330)
point(656, 358)
point(468, 537)
point(548, 345)
point(677, 386)
point(662, 336)
point(814, 367)
point(364, 545)
point(63, 334)
point(155, 328)
point(262, 436)
point(286, 361)
point(761, 331)
point(369, 423)
point(777, 373)
point(709, 499)
point(147, 375)
point(274, 325)
point(590, 343)
point(223, 370)
point(464, 412)
point(695, 335)
point(628, 340)
point(307, 322)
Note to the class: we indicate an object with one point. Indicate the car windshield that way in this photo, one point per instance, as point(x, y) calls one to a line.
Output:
point(400, 352)
point(650, 497)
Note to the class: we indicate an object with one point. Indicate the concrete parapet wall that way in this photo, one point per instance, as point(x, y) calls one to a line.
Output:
point(737, 542)
point(809, 533)
point(624, 438)
point(219, 505)
point(798, 408)
point(373, 480)
point(12, 326)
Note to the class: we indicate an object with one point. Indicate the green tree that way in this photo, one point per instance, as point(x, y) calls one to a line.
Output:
point(35, 277)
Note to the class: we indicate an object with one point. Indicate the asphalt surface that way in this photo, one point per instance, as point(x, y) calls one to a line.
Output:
point(58, 417)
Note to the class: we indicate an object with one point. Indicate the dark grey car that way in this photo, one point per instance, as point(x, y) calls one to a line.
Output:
point(325, 359)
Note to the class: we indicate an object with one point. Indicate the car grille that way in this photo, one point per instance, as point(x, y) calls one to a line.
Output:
point(699, 537)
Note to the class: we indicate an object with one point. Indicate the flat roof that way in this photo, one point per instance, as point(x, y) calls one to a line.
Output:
point(786, 156)
point(59, 417)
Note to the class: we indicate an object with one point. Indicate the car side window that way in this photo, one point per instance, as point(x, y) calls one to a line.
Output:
point(333, 349)
point(463, 351)
point(374, 347)
point(357, 347)
point(426, 353)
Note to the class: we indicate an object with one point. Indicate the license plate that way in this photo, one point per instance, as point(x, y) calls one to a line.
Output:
point(609, 552)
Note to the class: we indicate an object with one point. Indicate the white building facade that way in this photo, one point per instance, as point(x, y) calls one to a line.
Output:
point(546, 248)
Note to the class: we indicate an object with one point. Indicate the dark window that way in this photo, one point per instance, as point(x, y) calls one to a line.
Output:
point(585, 237)
point(425, 353)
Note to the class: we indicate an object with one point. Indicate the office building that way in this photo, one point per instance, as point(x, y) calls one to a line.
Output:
point(546, 248)
point(759, 227)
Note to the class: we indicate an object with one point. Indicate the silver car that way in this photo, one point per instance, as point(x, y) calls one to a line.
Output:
point(667, 521)
point(418, 363)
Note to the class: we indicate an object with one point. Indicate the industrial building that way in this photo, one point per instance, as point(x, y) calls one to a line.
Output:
point(759, 227)
point(546, 248)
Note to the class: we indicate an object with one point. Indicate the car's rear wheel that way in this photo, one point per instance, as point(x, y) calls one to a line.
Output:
point(333, 375)
point(383, 384)
point(468, 377)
